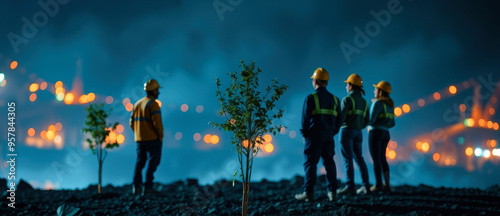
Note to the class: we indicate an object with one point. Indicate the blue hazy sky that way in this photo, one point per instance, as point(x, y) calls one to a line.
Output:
point(113, 47)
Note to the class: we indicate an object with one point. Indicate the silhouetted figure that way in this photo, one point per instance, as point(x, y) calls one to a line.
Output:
point(355, 116)
point(381, 119)
point(148, 131)
point(320, 122)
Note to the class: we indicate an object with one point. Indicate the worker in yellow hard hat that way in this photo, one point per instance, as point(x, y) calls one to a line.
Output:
point(320, 122)
point(381, 120)
point(148, 132)
point(355, 118)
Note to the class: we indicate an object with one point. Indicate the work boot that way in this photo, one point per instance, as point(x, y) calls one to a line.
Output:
point(151, 191)
point(332, 196)
point(137, 190)
point(305, 196)
point(376, 189)
point(346, 191)
point(363, 190)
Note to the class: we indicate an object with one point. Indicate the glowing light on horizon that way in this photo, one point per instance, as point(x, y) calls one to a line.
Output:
point(43, 134)
point(496, 152)
point(452, 89)
point(486, 153)
point(50, 135)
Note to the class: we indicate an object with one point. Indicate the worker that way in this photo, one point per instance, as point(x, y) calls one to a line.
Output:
point(355, 117)
point(381, 119)
point(320, 122)
point(148, 132)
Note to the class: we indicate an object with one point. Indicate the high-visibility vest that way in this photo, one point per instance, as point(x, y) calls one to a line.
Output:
point(319, 111)
point(385, 114)
point(355, 111)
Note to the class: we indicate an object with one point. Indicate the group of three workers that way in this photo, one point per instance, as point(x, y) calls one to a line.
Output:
point(323, 116)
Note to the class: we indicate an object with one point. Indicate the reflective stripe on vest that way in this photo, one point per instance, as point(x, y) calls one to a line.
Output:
point(386, 114)
point(355, 111)
point(319, 111)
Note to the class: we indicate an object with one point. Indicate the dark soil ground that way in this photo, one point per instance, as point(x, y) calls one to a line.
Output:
point(266, 198)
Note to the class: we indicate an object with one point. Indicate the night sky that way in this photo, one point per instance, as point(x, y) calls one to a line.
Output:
point(111, 48)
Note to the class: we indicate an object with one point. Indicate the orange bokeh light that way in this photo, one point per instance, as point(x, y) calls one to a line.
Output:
point(406, 108)
point(214, 139)
point(269, 148)
point(495, 126)
point(52, 128)
point(43, 134)
point(421, 102)
point(391, 154)
point(58, 126)
point(469, 151)
point(33, 97)
point(490, 124)
point(112, 137)
point(425, 146)
point(51, 135)
point(109, 99)
point(34, 87)
point(43, 85)
point(452, 89)
point(207, 138)
point(91, 97)
point(120, 128)
point(184, 108)
point(398, 111)
point(60, 90)
point(129, 107)
point(419, 145)
point(463, 107)
point(491, 111)
point(126, 101)
point(13, 65)
point(436, 156)
point(83, 99)
point(31, 132)
point(268, 138)
point(437, 96)
point(58, 84)
point(120, 138)
point(69, 98)
point(482, 122)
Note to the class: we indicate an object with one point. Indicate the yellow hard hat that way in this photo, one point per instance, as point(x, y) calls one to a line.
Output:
point(385, 86)
point(320, 74)
point(354, 79)
point(151, 85)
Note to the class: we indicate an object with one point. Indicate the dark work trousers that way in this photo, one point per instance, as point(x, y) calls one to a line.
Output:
point(351, 140)
point(320, 144)
point(378, 140)
point(153, 148)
